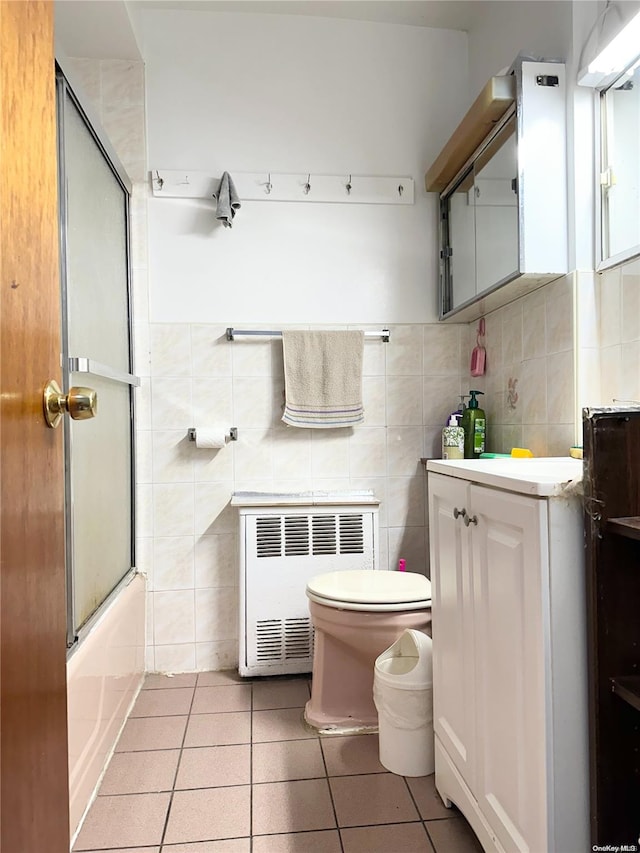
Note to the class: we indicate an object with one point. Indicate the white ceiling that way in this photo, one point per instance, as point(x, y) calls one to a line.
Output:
point(102, 29)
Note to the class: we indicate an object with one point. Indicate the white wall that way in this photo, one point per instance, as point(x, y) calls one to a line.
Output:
point(618, 292)
point(539, 28)
point(293, 94)
point(250, 93)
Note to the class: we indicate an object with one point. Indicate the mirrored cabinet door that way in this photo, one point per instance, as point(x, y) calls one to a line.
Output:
point(496, 212)
point(480, 240)
point(460, 242)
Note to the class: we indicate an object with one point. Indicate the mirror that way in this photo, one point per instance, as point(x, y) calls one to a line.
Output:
point(620, 167)
point(461, 242)
point(496, 213)
point(480, 240)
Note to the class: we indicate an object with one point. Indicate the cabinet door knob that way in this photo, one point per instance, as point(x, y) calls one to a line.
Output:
point(472, 520)
point(457, 512)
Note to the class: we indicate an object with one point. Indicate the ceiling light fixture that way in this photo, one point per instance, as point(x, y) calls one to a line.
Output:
point(621, 52)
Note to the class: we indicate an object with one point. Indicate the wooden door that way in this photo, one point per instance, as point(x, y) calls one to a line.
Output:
point(33, 722)
point(452, 623)
point(511, 618)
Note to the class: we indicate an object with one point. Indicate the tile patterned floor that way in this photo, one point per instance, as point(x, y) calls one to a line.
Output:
point(211, 763)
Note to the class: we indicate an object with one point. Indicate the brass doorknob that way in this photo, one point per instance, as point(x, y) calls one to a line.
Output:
point(80, 403)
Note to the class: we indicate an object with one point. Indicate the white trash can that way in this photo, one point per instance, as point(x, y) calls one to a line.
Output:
point(403, 695)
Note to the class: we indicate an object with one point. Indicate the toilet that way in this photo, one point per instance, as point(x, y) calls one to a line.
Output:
point(356, 616)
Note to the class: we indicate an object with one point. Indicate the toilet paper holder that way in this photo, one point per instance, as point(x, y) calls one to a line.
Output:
point(233, 433)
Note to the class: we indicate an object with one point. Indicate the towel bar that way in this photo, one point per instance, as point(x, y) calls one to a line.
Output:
point(232, 333)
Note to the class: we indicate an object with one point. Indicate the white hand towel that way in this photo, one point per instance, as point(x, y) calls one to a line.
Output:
point(323, 378)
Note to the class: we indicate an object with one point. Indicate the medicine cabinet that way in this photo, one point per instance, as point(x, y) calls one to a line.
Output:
point(503, 193)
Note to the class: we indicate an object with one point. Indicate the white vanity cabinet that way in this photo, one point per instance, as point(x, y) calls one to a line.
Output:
point(509, 670)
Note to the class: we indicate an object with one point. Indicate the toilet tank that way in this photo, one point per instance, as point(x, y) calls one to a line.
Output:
point(285, 539)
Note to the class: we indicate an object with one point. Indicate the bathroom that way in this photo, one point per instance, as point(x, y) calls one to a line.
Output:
point(371, 97)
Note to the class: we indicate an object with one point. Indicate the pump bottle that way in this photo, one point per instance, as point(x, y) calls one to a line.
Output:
point(474, 424)
point(458, 412)
point(453, 440)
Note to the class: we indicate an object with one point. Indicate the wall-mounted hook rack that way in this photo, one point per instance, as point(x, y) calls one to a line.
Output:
point(272, 186)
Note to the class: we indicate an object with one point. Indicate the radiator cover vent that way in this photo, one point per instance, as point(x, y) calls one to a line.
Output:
point(280, 549)
point(300, 535)
point(269, 537)
point(288, 639)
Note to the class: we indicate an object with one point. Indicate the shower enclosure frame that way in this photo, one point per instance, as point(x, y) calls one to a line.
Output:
point(67, 87)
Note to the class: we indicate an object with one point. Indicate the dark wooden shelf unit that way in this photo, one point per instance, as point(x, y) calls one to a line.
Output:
point(628, 689)
point(629, 527)
point(612, 537)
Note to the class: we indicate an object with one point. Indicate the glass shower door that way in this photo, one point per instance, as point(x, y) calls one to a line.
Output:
point(94, 196)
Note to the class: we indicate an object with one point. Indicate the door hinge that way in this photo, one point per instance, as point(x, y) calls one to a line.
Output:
point(447, 252)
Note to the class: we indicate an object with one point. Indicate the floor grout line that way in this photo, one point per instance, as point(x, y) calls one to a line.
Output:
point(179, 762)
point(163, 847)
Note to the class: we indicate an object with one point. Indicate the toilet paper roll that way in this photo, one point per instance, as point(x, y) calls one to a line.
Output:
point(211, 437)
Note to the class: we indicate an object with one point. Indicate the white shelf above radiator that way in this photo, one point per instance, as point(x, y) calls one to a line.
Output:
point(314, 498)
point(264, 186)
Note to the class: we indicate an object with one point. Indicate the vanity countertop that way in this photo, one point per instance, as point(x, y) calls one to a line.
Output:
point(540, 476)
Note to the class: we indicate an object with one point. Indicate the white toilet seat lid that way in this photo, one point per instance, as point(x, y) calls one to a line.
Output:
point(367, 587)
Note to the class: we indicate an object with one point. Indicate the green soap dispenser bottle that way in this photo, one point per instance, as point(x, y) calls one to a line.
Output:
point(474, 424)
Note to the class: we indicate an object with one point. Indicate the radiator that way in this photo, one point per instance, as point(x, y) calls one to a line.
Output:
point(281, 547)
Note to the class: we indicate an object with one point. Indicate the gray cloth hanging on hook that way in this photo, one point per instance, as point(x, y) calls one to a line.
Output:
point(228, 200)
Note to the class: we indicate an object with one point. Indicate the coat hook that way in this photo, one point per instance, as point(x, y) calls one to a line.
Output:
point(348, 186)
point(268, 186)
point(159, 180)
point(400, 189)
point(307, 186)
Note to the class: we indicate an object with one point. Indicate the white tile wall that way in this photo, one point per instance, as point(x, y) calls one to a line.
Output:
point(534, 331)
point(198, 377)
point(173, 563)
point(611, 307)
point(570, 357)
point(529, 382)
point(618, 292)
point(631, 301)
point(588, 343)
point(559, 296)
